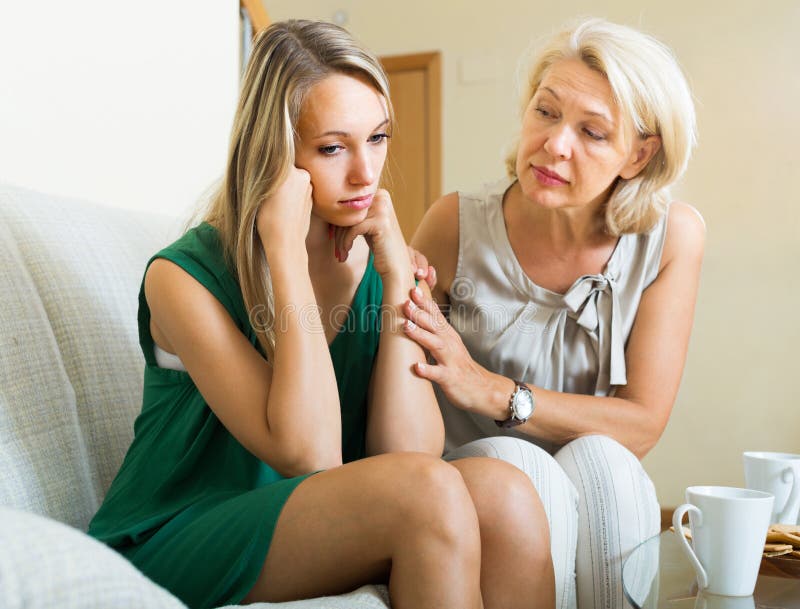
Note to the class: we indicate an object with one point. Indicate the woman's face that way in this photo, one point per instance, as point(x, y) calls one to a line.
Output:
point(574, 141)
point(342, 143)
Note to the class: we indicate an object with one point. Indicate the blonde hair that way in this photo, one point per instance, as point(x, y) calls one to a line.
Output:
point(288, 59)
point(650, 90)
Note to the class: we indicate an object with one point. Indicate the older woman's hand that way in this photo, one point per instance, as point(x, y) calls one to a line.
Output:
point(422, 270)
point(460, 377)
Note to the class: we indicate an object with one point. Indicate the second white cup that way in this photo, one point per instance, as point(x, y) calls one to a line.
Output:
point(779, 474)
point(729, 528)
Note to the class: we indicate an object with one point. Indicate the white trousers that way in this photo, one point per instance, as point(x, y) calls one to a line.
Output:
point(600, 504)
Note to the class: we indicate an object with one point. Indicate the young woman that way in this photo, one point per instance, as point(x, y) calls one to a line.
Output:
point(285, 449)
point(571, 287)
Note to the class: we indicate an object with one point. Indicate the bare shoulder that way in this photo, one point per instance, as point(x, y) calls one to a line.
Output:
point(165, 281)
point(160, 270)
point(437, 238)
point(439, 222)
point(179, 305)
point(446, 207)
point(686, 234)
point(686, 217)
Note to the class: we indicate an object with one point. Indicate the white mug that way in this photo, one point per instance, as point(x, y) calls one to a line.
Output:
point(729, 528)
point(779, 474)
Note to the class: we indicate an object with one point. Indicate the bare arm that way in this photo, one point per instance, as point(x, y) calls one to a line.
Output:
point(287, 414)
point(437, 238)
point(403, 414)
point(655, 357)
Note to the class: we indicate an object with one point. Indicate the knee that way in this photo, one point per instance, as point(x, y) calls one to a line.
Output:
point(521, 507)
point(604, 469)
point(599, 457)
point(598, 442)
point(556, 490)
point(507, 504)
point(511, 450)
point(440, 504)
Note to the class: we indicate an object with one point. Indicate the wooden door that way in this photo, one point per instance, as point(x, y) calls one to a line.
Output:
point(414, 169)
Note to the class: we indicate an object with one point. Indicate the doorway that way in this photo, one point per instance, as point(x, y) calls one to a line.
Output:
point(414, 167)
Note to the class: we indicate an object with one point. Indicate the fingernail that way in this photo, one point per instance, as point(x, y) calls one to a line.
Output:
point(412, 305)
point(419, 272)
point(417, 292)
point(410, 325)
point(420, 366)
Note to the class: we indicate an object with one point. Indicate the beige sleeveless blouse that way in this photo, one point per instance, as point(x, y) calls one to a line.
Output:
point(573, 342)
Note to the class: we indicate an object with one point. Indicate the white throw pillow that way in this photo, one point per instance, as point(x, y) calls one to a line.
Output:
point(44, 563)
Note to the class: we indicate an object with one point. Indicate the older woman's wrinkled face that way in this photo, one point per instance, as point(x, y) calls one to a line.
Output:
point(574, 141)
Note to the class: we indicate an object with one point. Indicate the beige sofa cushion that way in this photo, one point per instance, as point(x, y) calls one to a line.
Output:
point(44, 563)
point(42, 454)
point(72, 368)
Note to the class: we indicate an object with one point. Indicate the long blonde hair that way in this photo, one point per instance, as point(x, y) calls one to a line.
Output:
point(288, 59)
point(651, 90)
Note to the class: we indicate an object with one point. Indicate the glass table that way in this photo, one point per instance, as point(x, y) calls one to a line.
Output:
point(658, 575)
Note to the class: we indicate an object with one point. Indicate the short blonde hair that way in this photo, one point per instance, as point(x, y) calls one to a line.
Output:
point(287, 60)
point(650, 90)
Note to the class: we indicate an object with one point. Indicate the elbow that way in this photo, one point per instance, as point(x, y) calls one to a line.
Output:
point(291, 464)
point(648, 437)
point(295, 450)
point(644, 425)
point(641, 448)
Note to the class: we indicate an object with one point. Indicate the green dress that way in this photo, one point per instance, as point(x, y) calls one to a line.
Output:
point(190, 506)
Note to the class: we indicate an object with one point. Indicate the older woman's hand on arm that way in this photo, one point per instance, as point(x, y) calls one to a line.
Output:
point(461, 379)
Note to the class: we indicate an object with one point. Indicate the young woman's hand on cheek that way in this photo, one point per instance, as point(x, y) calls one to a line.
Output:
point(384, 237)
point(284, 217)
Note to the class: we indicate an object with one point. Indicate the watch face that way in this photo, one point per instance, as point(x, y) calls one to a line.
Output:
point(523, 405)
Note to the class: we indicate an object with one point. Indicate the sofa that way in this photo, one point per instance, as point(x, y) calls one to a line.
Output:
point(70, 389)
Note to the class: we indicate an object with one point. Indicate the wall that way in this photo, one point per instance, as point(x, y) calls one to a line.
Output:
point(129, 104)
point(738, 391)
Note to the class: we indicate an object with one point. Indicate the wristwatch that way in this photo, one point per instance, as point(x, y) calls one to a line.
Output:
point(520, 406)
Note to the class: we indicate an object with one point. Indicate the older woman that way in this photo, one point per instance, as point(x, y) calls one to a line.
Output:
point(570, 288)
